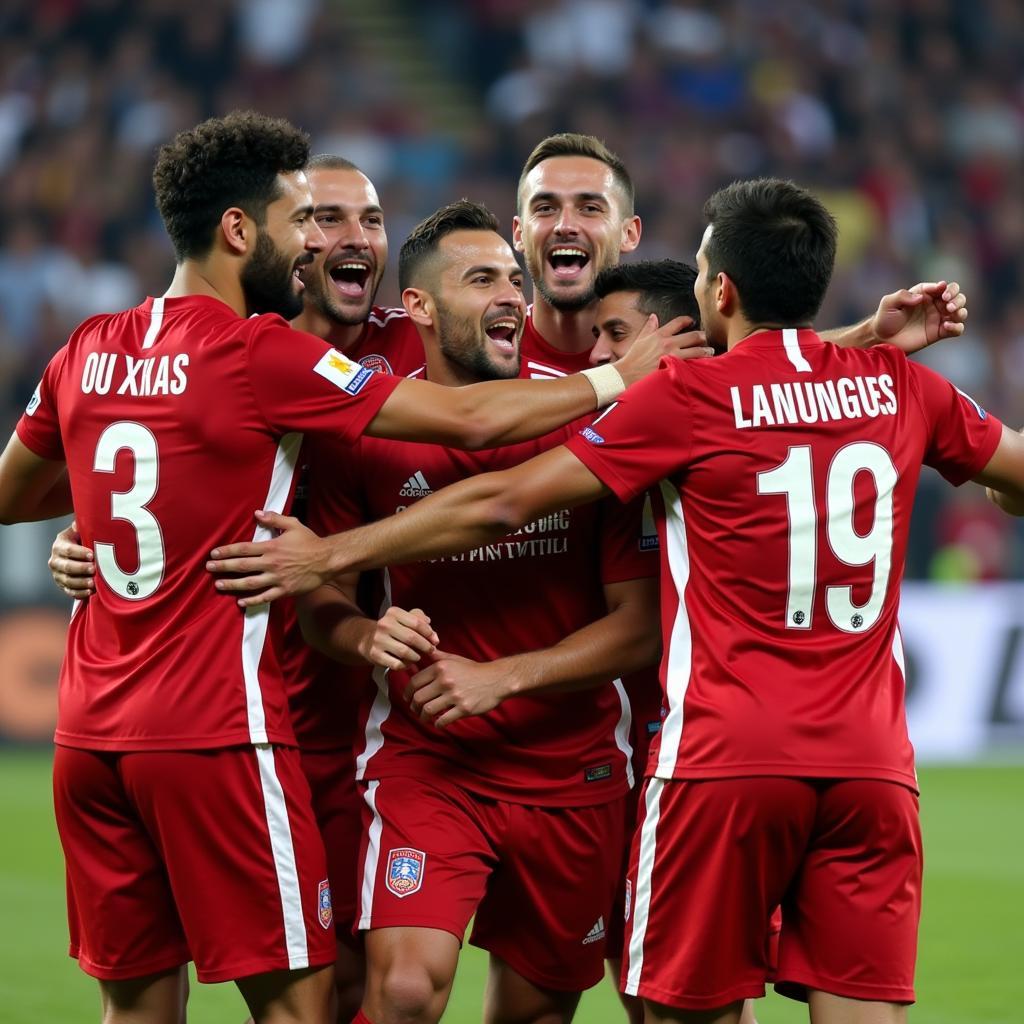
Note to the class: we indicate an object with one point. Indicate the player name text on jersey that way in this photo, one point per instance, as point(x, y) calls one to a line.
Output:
point(152, 375)
point(848, 398)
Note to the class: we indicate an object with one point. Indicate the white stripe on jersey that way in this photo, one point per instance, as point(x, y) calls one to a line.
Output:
point(642, 897)
point(541, 371)
point(283, 851)
point(792, 345)
point(416, 374)
point(156, 321)
point(372, 858)
point(391, 313)
point(381, 708)
point(254, 627)
point(622, 731)
point(680, 644)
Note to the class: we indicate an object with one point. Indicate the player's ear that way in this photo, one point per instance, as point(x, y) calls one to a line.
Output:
point(727, 298)
point(237, 229)
point(631, 229)
point(419, 305)
point(517, 233)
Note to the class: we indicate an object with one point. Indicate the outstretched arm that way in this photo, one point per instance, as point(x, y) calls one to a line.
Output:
point(474, 511)
point(1003, 475)
point(31, 487)
point(910, 319)
point(496, 413)
point(625, 640)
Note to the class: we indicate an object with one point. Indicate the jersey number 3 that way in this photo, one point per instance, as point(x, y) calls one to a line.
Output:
point(794, 478)
point(130, 506)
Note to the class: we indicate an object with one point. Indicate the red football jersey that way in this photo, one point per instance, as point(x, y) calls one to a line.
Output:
point(525, 592)
point(541, 360)
point(177, 419)
point(788, 469)
point(323, 695)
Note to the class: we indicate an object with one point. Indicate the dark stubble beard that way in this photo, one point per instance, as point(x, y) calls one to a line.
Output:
point(267, 281)
point(558, 300)
point(459, 338)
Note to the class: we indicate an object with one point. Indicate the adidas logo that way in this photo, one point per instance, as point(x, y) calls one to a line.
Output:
point(596, 933)
point(416, 486)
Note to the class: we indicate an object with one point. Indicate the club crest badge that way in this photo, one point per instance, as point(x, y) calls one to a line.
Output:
point(405, 871)
point(325, 910)
point(376, 362)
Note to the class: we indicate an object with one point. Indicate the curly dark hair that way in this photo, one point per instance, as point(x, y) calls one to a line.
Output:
point(424, 239)
point(223, 162)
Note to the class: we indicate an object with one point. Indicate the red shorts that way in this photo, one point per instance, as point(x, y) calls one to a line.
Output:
point(208, 855)
point(842, 857)
point(337, 807)
point(540, 880)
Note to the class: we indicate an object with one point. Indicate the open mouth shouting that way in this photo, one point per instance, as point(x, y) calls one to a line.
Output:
point(568, 262)
point(503, 332)
point(300, 268)
point(351, 277)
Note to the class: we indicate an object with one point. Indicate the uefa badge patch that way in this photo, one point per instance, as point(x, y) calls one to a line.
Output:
point(325, 911)
point(342, 372)
point(405, 871)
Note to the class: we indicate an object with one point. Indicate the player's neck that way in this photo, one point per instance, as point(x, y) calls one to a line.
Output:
point(343, 337)
point(192, 277)
point(565, 330)
point(739, 329)
point(441, 370)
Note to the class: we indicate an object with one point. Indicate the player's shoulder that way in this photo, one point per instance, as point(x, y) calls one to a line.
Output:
point(383, 316)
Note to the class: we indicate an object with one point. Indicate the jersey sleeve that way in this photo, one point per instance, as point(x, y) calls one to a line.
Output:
point(39, 426)
point(301, 383)
point(962, 436)
point(644, 436)
point(629, 540)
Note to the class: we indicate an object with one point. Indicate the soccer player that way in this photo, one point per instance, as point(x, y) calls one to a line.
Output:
point(173, 727)
point(787, 470)
point(492, 817)
point(576, 218)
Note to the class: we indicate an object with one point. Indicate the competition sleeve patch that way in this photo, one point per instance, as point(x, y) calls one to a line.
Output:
point(33, 402)
point(343, 373)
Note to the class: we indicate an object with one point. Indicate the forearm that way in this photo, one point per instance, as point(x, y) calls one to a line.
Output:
point(333, 624)
point(859, 335)
point(623, 641)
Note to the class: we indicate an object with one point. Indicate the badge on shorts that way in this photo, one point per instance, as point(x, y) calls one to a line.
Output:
point(405, 871)
point(323, 904)
point(629, 899)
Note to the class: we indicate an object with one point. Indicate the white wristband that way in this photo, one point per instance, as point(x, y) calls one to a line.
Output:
point(607, 383)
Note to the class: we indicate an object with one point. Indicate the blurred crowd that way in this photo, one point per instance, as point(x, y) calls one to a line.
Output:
point(906, 116)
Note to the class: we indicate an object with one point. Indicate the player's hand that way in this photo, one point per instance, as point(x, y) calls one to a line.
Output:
point(400, 639)
point(293, 562)
point(653, 342)
point(71, 564)
point(454, 687)
point(914, 318)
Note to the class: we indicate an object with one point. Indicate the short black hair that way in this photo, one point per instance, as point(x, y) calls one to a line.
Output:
point(665, 287)
point(424, 239)
point(778, 244)
point(573, 144)
point(330, 162)
point(223, 162)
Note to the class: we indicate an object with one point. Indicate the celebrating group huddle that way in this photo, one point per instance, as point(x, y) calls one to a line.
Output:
point(312, 794)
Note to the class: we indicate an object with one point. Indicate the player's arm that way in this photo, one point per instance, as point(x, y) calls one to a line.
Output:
point(495, 413)
point(31, 487)
point(72, 565)
point(472, 512)
point(911, 318)
point(335, 625)
point(625, 640)
point(1003, 475)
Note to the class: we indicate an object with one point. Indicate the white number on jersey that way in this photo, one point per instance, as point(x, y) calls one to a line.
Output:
point(131, 507)
point(794, 478)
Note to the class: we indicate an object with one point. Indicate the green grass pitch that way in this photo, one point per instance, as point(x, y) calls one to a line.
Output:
point(972, 935)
